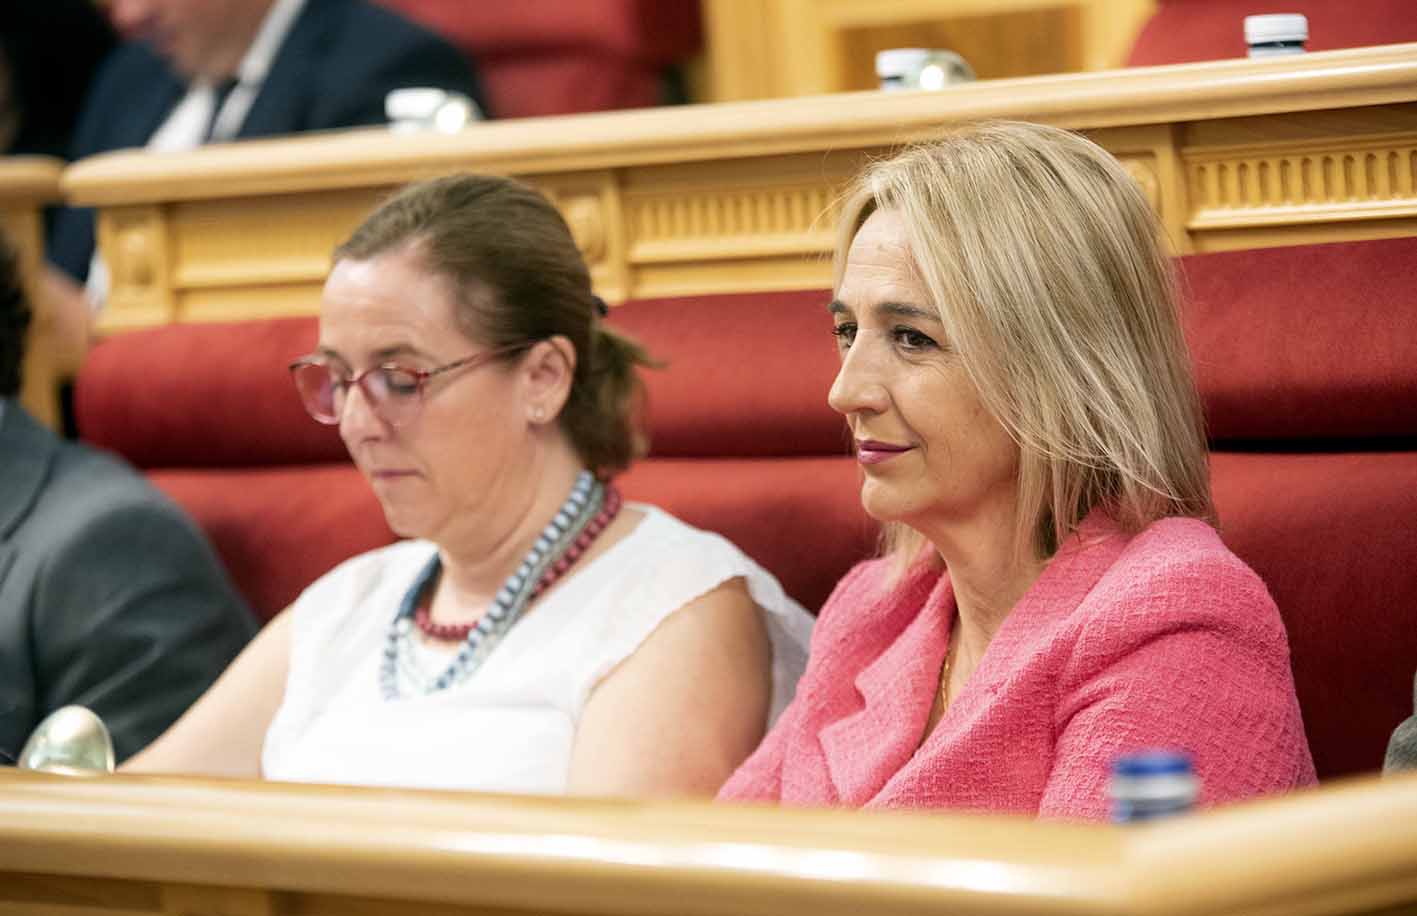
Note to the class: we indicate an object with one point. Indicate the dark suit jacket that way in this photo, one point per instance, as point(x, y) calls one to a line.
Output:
point(109, 596)
point(339, 59)
point(1402, 749)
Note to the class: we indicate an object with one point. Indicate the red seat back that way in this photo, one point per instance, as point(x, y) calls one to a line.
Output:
point(1307, 362)
point(545, 57)
point(1183, 31)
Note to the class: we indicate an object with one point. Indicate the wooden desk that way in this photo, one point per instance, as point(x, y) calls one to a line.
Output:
point(131, 845)
point(27, 185)
point(733, 197)
point(766, 49)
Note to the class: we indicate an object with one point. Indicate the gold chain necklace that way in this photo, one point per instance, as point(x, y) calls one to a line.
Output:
point(942, 695)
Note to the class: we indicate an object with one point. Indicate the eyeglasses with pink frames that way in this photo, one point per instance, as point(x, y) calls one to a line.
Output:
point(395, 393)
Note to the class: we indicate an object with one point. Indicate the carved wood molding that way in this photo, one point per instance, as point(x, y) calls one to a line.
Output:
point(1307, 181)
point(1143, 171)
point(727, 223)
point(590, 203)
point(136, 247)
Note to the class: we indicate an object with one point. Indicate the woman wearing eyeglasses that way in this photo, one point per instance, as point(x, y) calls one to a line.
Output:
point(535, 633)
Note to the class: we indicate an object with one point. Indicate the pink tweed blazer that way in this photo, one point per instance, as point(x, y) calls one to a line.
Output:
point(1165, 639)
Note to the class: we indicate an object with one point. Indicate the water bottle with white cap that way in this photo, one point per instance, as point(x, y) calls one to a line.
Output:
point(1277, 34)
point(425, 108)
point(921, 68)
point(1152, 784)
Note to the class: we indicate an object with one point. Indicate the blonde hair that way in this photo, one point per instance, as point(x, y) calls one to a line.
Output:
point(1046, 266)
point(520, 278)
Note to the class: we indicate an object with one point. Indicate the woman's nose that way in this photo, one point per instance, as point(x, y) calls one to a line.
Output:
point(859, 385)
point(358, 418)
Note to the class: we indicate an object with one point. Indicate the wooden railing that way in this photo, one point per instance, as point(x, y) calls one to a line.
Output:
point(131, 845)
point(27, 185)
point(733, 197)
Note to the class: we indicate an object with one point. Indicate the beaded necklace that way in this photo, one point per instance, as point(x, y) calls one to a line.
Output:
point(580, 519)
point(457, 632)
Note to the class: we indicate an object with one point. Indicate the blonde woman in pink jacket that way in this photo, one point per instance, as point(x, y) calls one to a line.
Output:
point(1053, 593)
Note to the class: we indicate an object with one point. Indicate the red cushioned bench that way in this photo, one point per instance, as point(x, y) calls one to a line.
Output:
point(1184, 31)
point(547, 57)
point(1306, 358)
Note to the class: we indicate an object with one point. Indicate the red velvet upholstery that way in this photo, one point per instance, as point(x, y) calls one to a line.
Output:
point(1333, 536)
point(1181, 31)
point(745, 375)
point(1303, 343)
point(163, 398)
point(279, 528)
point(1306, 360)
point(543, 57)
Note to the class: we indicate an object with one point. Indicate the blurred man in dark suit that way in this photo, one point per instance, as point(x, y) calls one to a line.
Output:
point(109, 596)
point(197, 71)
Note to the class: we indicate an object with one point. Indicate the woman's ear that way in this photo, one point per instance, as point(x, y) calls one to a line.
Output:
point(548, 370)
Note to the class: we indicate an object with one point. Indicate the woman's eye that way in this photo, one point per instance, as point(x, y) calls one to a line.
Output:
point(845, 334)
point(911, 339)
point(400, 382)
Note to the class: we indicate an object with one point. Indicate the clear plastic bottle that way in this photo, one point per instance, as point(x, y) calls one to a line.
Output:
point(920, 68)
point(1276, 34)
point(1152, 784)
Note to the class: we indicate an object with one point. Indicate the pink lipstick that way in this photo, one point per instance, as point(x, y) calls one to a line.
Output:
point(381, 475)
point(870, 451)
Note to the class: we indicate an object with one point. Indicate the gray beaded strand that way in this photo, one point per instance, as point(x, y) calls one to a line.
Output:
point(585, 500)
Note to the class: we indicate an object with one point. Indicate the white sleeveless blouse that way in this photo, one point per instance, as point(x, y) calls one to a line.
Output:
point(510, 726)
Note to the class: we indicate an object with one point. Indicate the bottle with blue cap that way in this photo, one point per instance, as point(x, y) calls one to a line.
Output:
point(1152, 784)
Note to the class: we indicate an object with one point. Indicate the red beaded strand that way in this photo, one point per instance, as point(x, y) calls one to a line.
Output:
point(457, 632)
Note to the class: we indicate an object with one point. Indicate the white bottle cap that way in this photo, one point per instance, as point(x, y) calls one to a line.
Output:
point(1263, 30)
point(416, 109)
point(897, 62)
point(413, 104)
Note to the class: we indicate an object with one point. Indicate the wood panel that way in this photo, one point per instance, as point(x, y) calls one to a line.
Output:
point(736, 197)
point(127, 845)
point(781, 48)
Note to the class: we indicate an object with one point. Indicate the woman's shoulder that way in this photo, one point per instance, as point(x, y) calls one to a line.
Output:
point(666, 565)
point(676, 555)
point(663, 527)
point(1185, 551)
point(1177, 575)
point(669, 539)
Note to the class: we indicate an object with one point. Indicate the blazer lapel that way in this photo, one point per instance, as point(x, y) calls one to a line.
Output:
point(896, 691)
point(1065, 582)
point(26, 453)
point(283, 95)
point(153, 91)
